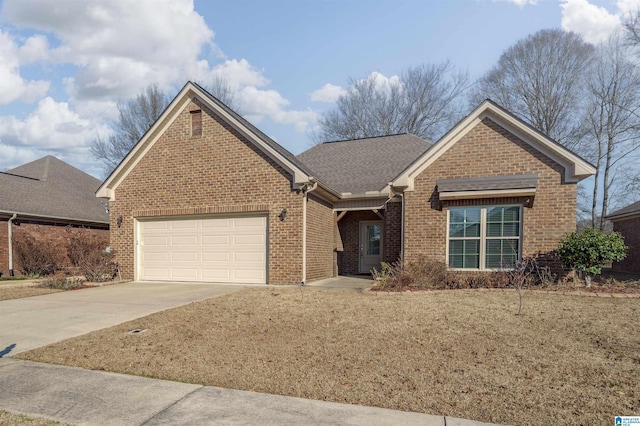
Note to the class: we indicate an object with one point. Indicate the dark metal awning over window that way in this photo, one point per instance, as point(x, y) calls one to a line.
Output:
point(487, 187)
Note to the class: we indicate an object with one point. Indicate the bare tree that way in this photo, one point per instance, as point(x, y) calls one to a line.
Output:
point(540, 79)
point(423, 101)
point(221, 89)
point(614, 118)
point(136, 116)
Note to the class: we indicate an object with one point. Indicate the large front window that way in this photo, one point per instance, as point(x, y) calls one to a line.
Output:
point(484, 237)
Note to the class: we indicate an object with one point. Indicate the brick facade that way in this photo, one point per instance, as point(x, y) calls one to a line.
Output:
point(57, 235)
point(630, 230)
point(349, 225)
point(219, 172)
point(320, 239)
point(490, 150)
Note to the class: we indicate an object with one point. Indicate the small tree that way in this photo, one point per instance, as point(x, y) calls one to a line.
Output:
point(588, 250)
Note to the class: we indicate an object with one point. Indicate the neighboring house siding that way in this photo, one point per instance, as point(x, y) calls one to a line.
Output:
point(489, 150)
point(320, 241)
point(53, 235)
point(630, 230)
point(4, 248)
point(218, 172)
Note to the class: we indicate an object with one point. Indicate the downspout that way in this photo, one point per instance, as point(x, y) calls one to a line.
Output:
point(306, 189)
point(401, 195)
point(10, 234)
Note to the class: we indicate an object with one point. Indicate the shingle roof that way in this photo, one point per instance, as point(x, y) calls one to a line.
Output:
point(625, 211)
point(51, 188)
point(379, 161)
point(488, 183)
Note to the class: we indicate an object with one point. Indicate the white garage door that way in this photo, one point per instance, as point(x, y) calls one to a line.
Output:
point(225, 250)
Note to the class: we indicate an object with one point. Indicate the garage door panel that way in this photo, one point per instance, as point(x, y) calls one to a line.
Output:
point(223, 256)
point(216, 223)
point(253, 257)
point(205, 249)
point(184, 224)
point(184, 257)
point(250, 239)
point(184, 240)
point(215, 240)
point(152, 240)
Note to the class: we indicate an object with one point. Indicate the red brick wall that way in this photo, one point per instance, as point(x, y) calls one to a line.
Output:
point(320, 243)
point(630, 230)
point(489, 150)
point(57, 235)
point(219, 171)
point(392, 231)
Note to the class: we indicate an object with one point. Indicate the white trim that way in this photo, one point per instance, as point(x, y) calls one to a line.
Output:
point(575, 167)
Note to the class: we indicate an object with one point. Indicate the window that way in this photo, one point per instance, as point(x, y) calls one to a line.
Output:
point(484, 237)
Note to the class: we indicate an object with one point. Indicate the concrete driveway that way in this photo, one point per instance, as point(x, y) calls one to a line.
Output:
point(41, 320)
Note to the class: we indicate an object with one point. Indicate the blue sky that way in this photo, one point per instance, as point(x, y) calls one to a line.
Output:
point(65, 63)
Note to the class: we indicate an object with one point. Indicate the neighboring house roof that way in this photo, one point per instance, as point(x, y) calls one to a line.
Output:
point(301, 175)
point(625, 212)
point(362, 165)
point(53, 190)
point(575, 167)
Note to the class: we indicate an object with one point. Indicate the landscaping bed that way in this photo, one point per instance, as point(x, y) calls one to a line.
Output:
point(462, 353)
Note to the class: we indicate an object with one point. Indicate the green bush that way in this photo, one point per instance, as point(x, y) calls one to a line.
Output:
point(589, 250)
point(36, 258)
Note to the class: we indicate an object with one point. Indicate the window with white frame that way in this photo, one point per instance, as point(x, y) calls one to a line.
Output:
point(484, 237)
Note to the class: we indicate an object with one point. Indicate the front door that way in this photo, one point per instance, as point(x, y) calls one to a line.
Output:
point(370, 246)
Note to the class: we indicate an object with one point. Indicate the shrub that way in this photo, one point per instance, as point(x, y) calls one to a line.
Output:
point(87, 252)
point(62, 282)
point(36, 258)
point(589, 250)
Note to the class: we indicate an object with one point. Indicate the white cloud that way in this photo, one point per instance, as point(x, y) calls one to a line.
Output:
point(522, 3)
point(118, 52)
point(51, 126)
point(12, 86)
point(595, 24)
point(628, 7)
point(327, 93)
point(239, 74)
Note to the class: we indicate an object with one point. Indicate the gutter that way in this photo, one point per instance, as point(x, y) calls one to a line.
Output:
point(10, 238)
point(306, 189)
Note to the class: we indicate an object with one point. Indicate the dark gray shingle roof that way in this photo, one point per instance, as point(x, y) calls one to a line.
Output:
point(362, 165)
point(625, 211)
point(51, 188)
point(487, 183)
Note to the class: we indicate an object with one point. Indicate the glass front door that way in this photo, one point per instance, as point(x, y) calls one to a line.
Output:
point(370, 246)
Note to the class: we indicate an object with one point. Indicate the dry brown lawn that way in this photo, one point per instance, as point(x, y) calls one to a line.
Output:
point(7, 292)
point(10, 419)
point(566, 360)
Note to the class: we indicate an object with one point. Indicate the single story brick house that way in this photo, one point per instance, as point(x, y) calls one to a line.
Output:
point(206, 196)
point(627, 222)
point(45, 199)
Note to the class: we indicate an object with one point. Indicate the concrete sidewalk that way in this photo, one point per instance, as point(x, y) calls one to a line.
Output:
point(76, 396)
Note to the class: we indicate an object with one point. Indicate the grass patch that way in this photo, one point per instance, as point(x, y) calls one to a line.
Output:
point(566, 360)
point(7, 293)
point(10, 419)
